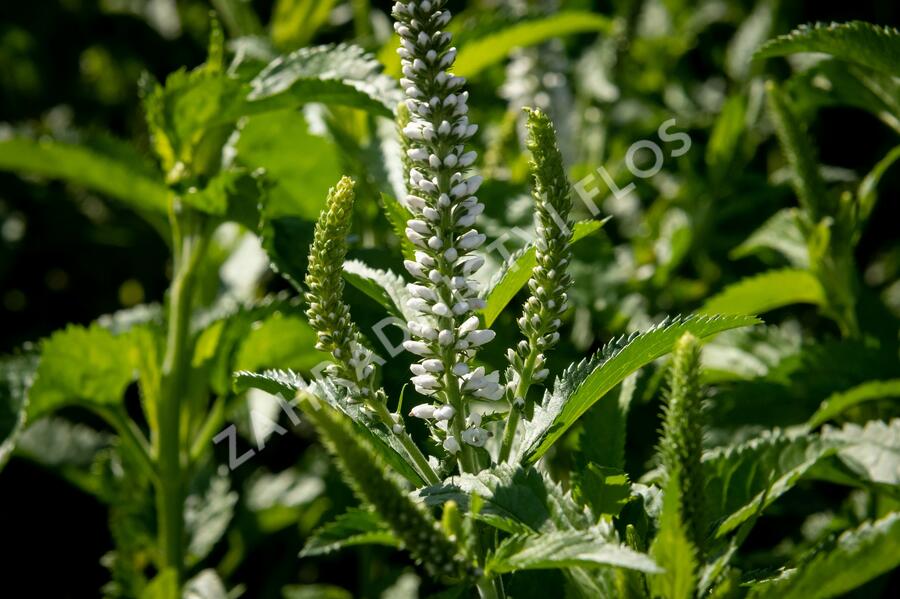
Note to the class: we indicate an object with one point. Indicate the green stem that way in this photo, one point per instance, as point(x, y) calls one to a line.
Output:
point(208, 430)
point(487, 589)
point(464, 455)
point(512, 421)
point(191, 241)
point(132, 436)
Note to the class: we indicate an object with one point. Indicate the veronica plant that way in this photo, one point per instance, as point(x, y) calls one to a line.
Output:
point(480, 423)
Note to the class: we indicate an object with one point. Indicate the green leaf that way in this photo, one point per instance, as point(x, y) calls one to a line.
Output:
point(111, 168)
point(856, 557)
point(871, 451)
point(747, 477)
point(749, 353)
point(300, 165)
point(205, 585)
point(343, 75)
point(724, 149)
point(397, 215)
point(583, 384)
point(672, 550)
point(383, 286)
point(602, 438)
point(781, 233)
point(365, 470)
point(839, 402)
point(800, 154)
point(564, 549)
point(279, 340)
point(870, 45)
point(207, 513)
point(479, 54)
point(517, 270)
point(288, 384)
point(605, 490)
point(867, 194)
point(80, 365)
point(66, 448)
point(315, 591)
point(16, 375)
point(767, 291)
point(515, 499)
point(295, 22)
point(833, 82)
point(353, 527)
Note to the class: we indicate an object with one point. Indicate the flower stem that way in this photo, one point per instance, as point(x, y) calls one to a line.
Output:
point(515, 413)
point(409, 445)
point(191, 240)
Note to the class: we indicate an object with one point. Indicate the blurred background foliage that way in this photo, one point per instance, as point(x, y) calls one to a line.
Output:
point(70, 69)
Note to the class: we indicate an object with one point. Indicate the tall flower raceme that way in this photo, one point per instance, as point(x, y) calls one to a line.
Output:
point(549, 280)
point(441, 198)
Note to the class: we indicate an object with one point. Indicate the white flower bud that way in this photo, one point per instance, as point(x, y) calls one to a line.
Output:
point(451, 444)
point(445, 412)
point(422, 411)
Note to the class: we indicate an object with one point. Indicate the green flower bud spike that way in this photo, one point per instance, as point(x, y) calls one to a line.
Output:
point(681, 446)
point(327, 312)
point(337, 334)
point(550, 280)
point(422, 535)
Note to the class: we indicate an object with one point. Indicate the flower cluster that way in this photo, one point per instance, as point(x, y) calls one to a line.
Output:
point(444, 207)
point(549, 280)
point(328, 314)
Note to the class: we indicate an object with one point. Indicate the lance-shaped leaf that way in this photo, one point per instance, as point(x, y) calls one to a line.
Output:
point(384, 286)
point(856, 557)
point(515, 499)
point(585, 383)
point(342, 74)
point(863, 43)
point(800, 154)
point(871, 451)
point(839, 402)
point(366, 471)
point(564, 549)
point(780, 233)
point(748, 477)
point(109, 167)
point(289, 385)
point(672, 548)
point(517, 270)
point(353, 527)
point(476, 55)
point(767, 291)
point(15, 378)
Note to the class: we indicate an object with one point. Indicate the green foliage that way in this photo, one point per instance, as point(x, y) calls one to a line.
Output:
point(842, 401)
point(585, 383)
point(515, 273)
point(767, 291)
point(681, 445)
point(107, 166)
point(566, 549)
point(672, 548)
point(840, 565)
point(491, 49)
point(364, 468)
point(15, 379)
point(86, 366)
point(863, 43)
point(354, 527)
